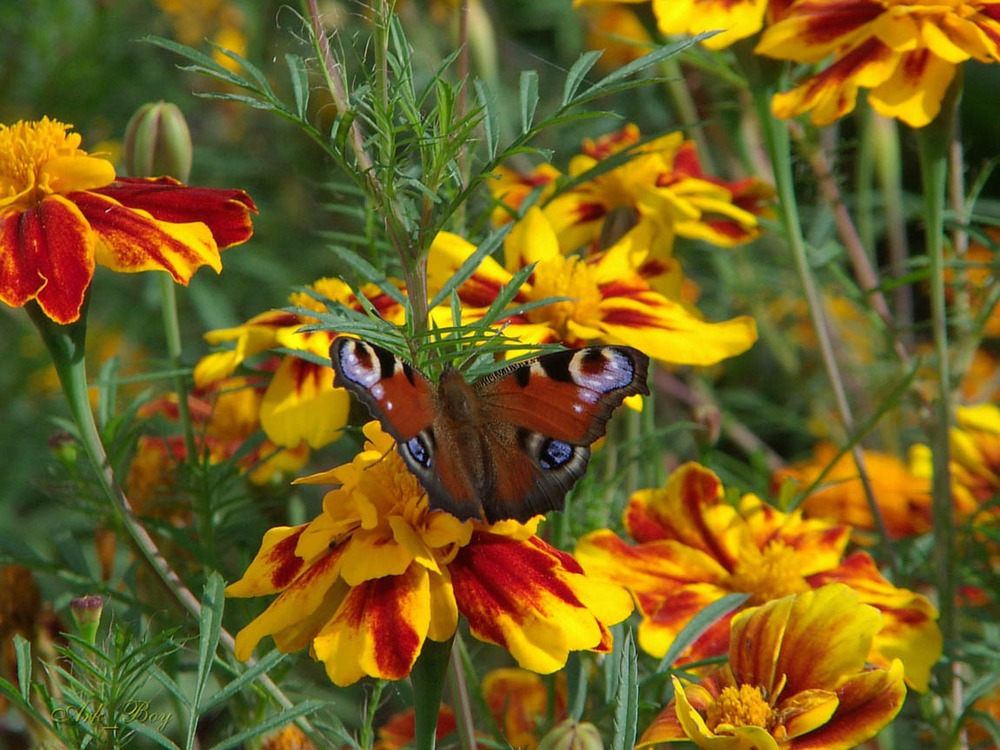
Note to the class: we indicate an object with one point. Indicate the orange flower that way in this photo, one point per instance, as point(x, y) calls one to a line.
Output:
point(903, 498)
point(62, 212)
point(519, 702)
point(693, 548)
point(663, 182)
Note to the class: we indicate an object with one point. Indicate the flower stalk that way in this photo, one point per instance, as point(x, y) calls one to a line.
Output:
point(778, 145)
point(933, 145)
point(66, 344)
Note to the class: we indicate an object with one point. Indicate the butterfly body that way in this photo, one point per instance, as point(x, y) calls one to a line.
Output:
point(509, 445)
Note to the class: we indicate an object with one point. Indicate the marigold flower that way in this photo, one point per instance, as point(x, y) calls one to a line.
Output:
point(519, 702)
point(613, 296)
point(975, 457)
point(662, 182)
point(300, 402)
point(365, 583)
point(796, 679)
point(733, 19)
point(693, 548)
point(62, 211)
point(905, 53)
point(903, 498)
point(225, 416)
point(617, 32)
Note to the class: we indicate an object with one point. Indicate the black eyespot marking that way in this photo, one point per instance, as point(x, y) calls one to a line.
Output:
point(420, 451)
point(554, 453)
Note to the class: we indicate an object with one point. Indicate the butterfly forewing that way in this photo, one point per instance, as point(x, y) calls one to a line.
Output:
point(568, 396)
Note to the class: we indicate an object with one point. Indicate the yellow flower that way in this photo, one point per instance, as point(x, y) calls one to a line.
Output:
point(300, 402)
point(612, 296)
point(733, 19)
point(905, 53)
point(662, 182)
point(62, 211)
point(693, 548)
point(365, 583)
point(796, 678)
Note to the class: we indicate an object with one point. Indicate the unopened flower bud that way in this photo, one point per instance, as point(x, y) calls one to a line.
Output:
point(158, 142)
point(572, 735)
point(87, 616)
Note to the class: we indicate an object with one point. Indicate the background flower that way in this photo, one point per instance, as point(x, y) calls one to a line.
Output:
point(906, 54)
point(693, 548)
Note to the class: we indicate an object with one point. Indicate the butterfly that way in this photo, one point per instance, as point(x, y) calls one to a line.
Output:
point(509, 445)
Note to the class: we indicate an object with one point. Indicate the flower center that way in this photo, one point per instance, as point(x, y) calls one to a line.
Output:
point(739, 707)
point(768, 574)
point(25, 147)
point(565, 277)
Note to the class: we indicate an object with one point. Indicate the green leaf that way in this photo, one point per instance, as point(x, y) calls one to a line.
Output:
point(275, 721)
point(578, 73)
point(300, 83)
point(528, 98)
point(428, 678)
point(210, 627)
point(625, 707)
point(698, 625)
point(491, 118)
point(22, 648)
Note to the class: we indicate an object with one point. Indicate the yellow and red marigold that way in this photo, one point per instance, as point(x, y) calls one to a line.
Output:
point(905, 53)
point(300, 402)
point(796, 680)
point(613, 297)
point(63, 211)
point(661, 181)
point(692, 548)
point(368, 581)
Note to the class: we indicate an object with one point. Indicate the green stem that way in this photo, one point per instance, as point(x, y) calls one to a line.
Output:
point(778, 145)
point(172, 333)
point(428, 678)
point(66, 347)
point(933, 142)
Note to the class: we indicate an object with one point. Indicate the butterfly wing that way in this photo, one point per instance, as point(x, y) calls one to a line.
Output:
point(545, 414)
point(443, 452)
point(396, 395)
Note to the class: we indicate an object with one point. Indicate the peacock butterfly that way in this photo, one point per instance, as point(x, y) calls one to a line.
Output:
point(509, 445)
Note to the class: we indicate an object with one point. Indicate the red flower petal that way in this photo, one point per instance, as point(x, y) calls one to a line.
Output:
point(47, 253)
point(225, 212)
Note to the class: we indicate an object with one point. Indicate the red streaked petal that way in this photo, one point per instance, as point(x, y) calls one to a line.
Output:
point(909, 631)
point(378, 630)
point(225, 212)
point(518, 595)
point(131, 241)
point(47, 254)
point(868, 702)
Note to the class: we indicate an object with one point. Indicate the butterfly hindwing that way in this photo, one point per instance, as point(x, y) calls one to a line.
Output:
point(556, 406)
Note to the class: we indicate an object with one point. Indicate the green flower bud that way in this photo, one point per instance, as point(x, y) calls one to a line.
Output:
point(158, 142)
point(572, 735)
point(87, 616)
